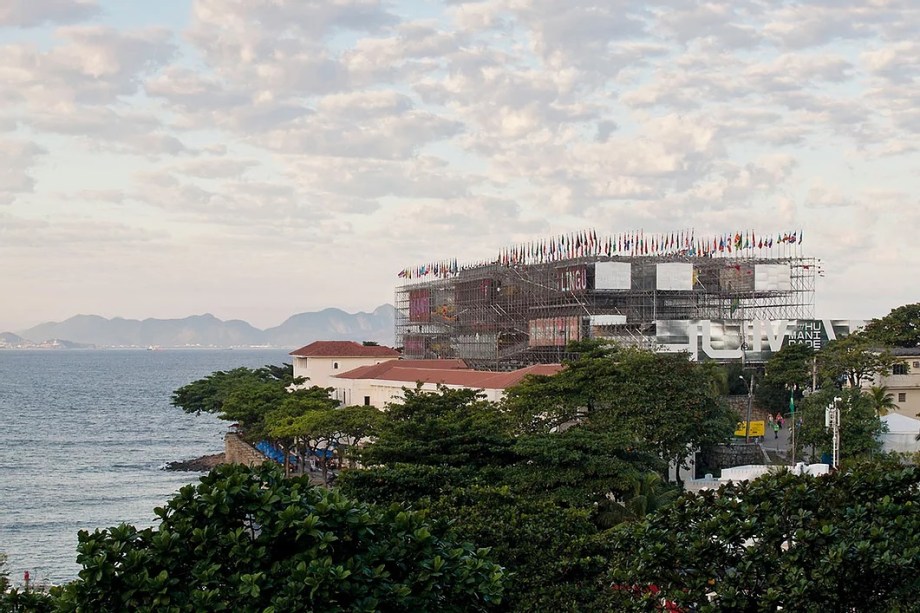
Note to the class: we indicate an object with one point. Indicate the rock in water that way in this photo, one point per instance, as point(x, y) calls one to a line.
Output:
point(201, 465)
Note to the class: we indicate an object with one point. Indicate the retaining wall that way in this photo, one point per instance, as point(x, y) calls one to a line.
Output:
point(713, 459)
point(238, 451)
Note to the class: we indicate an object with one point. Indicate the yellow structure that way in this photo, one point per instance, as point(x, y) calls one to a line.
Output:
point(757, 429)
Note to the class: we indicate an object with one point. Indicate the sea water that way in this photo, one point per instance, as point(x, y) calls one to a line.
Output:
point(84, 435)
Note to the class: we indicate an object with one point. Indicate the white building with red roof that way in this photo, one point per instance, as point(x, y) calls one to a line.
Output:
point(382, 383)
point(319, 361)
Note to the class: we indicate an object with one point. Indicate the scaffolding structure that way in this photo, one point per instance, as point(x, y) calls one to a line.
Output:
point(525, 309)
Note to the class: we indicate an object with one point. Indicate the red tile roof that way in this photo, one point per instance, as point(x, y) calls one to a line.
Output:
point(377, 371)
point(410, 371)
point(343, 349)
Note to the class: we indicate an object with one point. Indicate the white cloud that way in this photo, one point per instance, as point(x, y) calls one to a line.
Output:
point(344, 139)
point(30, 13)
point(90, 65)
point(16, 159)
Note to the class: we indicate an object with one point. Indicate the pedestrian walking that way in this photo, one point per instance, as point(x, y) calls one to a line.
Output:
point(779, 419)
point(775, 429)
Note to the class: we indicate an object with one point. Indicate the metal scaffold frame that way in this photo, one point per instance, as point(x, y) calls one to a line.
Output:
point(506, 314)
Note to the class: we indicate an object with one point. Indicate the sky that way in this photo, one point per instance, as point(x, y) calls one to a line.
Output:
point(254, 159)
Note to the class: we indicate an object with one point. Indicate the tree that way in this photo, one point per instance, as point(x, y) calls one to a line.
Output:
point(449, 427)
point(278, 422)
point(860, 426)
point(535, 495)
point(250, 540)
point(579, 467)
point(544, 403)
point(881, 400)
point(207, 395)
point(4, 574)
point(407, 483)
point(648, 493)
point(660, 402)
point(556, 558)
point(246, 395)
point(853, 360)
point(315, 428)
point(900, 328)
point(847, 541)
point(354, 425)
point(665, 402)
point(305, 433)
point(787, 372)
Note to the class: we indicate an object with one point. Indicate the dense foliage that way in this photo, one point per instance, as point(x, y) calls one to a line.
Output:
point(250, 540)
point(860, 426)
point(900, 328)
point(453, 427)
point(254, 398)
point(788, 373)
point(848, 541)
point(661, 403)
point(852, 360)
point(562, 482)
point(542, 476)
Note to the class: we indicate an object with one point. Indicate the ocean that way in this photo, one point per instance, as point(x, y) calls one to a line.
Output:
point(84, 435)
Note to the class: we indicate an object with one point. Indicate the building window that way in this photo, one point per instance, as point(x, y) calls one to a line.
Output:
point(899, 369)
point(902, 396)
point(335, 366)
point(916, 364)
point(367, 401)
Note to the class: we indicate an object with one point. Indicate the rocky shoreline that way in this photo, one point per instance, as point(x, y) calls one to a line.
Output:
point(200, 465)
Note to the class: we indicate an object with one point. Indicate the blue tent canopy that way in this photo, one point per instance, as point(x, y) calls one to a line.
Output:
point(273, 453)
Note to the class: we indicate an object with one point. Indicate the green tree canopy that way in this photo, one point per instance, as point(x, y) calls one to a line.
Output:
point(853, 360)
point(860, 426)
point(579, 467)
point(208, 394)
point(849, 541)
point(787, 372)
point(449, 427)
point(900, 328)
point(250, 540)
point(556, 557)
point(881, 399)
point(247, 396)
point(660, 402)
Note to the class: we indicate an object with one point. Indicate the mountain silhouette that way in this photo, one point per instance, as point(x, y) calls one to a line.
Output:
point(209, 331)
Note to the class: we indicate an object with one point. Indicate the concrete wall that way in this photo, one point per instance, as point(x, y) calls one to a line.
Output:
point(238, 451)
point(714, 459)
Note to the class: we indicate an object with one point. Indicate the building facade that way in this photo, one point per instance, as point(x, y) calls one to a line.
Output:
point(319, 361)
point(668, 292)
point(904, 381)
point(383, 383)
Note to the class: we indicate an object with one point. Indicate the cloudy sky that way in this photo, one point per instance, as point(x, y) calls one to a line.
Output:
point(260, 158)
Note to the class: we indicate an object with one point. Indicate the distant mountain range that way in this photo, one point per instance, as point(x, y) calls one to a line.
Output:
point(209, 331)
point(10, 340)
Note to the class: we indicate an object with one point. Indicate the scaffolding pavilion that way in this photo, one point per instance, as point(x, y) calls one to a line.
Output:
point(526, 305)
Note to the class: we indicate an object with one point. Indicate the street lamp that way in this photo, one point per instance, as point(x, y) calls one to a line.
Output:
point(747, 422)
point(832, 422)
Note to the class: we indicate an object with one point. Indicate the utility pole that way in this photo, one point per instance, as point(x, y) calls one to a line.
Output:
point(814, 373)
point(832, 422)
point(792, 419)
point(747, 421)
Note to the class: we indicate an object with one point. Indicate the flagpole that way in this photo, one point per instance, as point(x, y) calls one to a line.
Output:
point(792, 417)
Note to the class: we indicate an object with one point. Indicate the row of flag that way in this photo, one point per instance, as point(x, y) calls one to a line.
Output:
point(587, 244)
